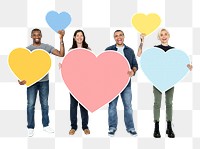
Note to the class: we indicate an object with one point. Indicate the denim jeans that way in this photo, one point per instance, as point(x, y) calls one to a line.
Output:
point(43, 88)
point(73, 114)
point(126, 96)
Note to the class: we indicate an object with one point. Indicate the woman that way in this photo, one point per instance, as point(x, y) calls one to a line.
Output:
point(78, 42)
point(163, 36)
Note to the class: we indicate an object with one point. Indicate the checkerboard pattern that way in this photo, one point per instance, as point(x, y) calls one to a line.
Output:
point(99, 19)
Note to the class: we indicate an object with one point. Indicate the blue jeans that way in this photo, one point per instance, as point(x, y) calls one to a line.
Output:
point(126, 96)
point(73, 114)
point(43, 88)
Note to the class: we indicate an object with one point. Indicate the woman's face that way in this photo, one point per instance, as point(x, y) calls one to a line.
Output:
point(79, 38)
point(164, 37)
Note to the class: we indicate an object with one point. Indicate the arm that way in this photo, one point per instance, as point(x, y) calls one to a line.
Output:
point(60, 53)
point(134, 68)
point(139, 53)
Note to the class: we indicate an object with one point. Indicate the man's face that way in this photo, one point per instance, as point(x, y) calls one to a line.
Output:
point(36, 36)
point(119, 38)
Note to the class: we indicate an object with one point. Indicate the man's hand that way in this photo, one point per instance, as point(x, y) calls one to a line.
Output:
point(131, 73)
point(139, 53)
point(22, 82)
point(62, 33)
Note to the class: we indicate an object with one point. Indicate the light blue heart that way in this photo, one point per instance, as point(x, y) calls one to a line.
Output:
point(58, 21)
point(164, 69)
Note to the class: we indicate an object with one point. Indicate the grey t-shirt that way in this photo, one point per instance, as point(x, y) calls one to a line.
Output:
point(45, 47)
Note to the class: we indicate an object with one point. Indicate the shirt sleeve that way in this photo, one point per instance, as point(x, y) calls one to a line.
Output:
point(107, 49)
point(50, 48)
point(28, 47)
point(134, 61)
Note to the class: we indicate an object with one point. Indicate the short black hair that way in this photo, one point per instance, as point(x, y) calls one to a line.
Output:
point(118, 31)
point(35, 29)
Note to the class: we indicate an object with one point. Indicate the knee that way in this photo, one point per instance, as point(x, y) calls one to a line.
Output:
point(128, 108)
point(112, 106)
point(44, 103)
point(168, 104)
point(157, 105)
point(30, 106)
point(45, 106)
point(73, 105)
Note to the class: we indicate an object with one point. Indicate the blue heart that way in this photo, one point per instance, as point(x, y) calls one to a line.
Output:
point(164, 69)
point(58, 21)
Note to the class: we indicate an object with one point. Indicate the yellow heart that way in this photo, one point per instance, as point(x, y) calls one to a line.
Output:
point(146, 23)
point(29, 66)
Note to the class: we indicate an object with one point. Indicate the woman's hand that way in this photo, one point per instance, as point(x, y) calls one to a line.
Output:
point(60, 65)
point(190, 67)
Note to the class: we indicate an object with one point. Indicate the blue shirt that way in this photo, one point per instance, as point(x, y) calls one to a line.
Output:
point(128, 53)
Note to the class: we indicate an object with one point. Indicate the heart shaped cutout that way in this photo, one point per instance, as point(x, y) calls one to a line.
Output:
point(146, 23)
point(94, 81)
point(58, 21)
point(164, 69)
point(29, 66)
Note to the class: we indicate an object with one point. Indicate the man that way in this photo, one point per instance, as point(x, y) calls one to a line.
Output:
point(126, 94)
point(43, 85)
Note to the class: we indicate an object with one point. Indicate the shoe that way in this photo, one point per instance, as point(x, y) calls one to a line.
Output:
point(169, 130)
point(86, 131)
point(111, 133)
point(133, 133)
point(156, 133)
point(30, 132)
point(48, 129)
point(72, 132)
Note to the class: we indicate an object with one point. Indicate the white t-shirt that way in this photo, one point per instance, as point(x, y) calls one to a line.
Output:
point(120, 50)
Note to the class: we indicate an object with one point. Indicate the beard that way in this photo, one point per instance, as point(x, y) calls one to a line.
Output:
point(36, 41)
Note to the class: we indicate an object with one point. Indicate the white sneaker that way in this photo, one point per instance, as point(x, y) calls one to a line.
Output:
point(30, 132)
point(48, 129)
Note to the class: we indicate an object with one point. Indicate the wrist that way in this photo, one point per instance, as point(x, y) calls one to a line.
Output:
point(134, 70)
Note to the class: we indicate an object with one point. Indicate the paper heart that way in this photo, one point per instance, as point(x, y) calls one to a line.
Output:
point(29, 66)
point(164, 69)
point(146, 23)
point(58, 21)
point(94, 81)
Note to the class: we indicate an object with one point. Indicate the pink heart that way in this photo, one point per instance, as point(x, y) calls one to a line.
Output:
point(95, 81)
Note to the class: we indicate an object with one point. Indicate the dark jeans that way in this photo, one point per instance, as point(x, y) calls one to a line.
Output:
point(43, 88)
point(73, 114)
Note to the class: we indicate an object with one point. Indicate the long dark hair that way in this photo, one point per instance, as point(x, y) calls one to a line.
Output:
point(84, 44)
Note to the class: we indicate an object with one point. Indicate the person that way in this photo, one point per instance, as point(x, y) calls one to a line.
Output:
point(78, 42)
point(163, 36)
point(126, 94)
point(43, 85)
